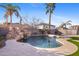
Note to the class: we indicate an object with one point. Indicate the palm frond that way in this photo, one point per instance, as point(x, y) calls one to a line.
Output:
point(47, 11)
point(3, 6)
point(50, 7)
point(17, 7)
point(5, 15)
point(16, 13)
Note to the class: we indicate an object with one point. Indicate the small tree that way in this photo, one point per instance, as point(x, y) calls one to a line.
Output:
point(65, 24)
point(35, 22)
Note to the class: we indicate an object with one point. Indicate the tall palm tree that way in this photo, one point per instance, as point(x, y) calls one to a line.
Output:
point(10, 10)
point(49, 9)
point(6, 16)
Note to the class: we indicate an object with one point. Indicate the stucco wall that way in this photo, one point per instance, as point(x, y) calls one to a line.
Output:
point(68, 31)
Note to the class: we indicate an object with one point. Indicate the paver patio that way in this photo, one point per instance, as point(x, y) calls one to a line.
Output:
point(14, 48)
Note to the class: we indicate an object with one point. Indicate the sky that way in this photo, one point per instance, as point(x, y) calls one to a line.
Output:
point(62, 12)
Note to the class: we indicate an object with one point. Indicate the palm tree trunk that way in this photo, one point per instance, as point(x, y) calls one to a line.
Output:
point(10, 19)
point(10, 11)
point(20, 21)
point(6, 21)
point(49, 20)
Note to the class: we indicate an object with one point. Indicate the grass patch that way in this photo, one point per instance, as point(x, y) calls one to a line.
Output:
point(77, 44)
point(75, 38)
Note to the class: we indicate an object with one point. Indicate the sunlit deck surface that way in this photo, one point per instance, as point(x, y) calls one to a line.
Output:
point(14, 48)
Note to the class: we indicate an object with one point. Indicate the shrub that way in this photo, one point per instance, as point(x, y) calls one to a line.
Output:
point(1, 37)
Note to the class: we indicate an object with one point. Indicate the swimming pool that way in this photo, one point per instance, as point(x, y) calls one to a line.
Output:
point(43, 42)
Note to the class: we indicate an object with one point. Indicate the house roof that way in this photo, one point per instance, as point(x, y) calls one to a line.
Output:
point(45, 24)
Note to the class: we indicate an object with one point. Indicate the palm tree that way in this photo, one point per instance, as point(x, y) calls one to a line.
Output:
point(6, 16)
point(49, 9)
point(65, 24)
point(21, 19)
point(10, 10)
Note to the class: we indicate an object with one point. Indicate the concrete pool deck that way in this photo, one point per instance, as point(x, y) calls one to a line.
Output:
point(14, 48)
point(66, 48)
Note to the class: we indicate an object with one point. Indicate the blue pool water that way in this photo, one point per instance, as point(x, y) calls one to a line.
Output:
point(43, 42)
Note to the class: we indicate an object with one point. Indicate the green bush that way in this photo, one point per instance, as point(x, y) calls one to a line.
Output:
point(1, 37)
